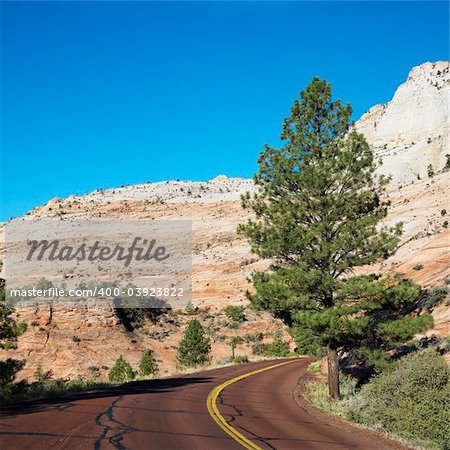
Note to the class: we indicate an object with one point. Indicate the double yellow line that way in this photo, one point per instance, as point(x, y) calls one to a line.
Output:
point(211, 404)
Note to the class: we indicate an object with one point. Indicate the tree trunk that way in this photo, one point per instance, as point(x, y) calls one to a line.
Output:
point(232, 351)
point(333, 372)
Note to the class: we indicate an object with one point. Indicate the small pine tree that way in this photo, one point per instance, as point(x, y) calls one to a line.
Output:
point(38, 373)
point(430, 171)
point(148, 365)
point(278, 347)
point(121, 372)
point(194, 347)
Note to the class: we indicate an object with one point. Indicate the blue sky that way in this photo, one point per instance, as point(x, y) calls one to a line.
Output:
point(97, 95)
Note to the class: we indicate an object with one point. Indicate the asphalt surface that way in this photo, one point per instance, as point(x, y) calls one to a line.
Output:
point(172, 414)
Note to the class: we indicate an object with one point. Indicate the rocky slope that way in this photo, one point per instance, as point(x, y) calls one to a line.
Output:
point(410, 133)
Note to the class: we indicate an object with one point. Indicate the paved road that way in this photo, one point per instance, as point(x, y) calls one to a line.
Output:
point(172, 414)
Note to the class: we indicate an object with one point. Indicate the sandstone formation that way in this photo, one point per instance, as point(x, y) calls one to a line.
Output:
point(410, 132)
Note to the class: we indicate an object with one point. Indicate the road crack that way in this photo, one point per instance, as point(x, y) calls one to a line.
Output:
point(113, 430)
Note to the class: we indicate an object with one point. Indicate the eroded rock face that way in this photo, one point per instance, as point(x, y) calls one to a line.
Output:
point(410, 132)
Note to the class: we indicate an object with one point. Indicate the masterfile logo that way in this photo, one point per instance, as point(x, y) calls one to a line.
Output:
point(103, 259)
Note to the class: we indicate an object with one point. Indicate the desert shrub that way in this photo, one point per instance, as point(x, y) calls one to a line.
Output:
point(240, 360)
point(418, 267)
point(76, 339)
point(259, 348)
point(95, 371)
point(189, 310)
point(434, 296)
point(121, 372)
point(278, 347)
point(221, 323)
point(220, 337)
point(233, 325)
point(204, 312)
point(148, 365)
point(411, 401)
point(235, 313)
point(253, 337)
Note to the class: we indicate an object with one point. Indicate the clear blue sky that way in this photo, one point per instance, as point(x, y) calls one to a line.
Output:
point(105, 94)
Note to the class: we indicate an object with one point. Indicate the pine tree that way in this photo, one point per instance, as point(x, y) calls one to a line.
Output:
point(148, 365)
point(194, 347)
point(318, 208)
point(121, 372)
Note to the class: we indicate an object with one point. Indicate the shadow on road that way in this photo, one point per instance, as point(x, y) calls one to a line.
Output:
point(132, 388)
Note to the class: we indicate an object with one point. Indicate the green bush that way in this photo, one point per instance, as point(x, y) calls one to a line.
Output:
point(235, 313)
point(121, 372)
point(314, 368)
point(278, 347)
point(412, 401)
point(148, 365)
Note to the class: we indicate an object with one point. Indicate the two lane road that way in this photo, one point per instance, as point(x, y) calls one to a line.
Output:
point(172, 413)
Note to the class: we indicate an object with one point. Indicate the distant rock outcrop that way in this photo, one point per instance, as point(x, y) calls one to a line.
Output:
point(412, 130)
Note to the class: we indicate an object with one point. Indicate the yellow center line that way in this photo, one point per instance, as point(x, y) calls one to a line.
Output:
point(211, 404)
